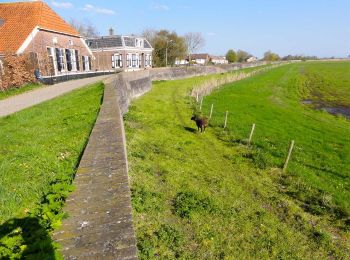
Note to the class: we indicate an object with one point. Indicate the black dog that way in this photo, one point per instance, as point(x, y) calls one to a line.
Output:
point(201, 122)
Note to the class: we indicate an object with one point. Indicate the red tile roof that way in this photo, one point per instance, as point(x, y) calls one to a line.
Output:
point(21, 18)
point(199, 56)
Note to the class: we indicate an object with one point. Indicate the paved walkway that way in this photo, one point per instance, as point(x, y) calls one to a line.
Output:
point(16, 103)
point(99, 223)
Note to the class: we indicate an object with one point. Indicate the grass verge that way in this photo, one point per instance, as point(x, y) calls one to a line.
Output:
point(16, 91)
point(39, 153)
point(210, 196)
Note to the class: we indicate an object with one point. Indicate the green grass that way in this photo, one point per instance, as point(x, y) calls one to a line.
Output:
point(208, 195)
point(39, 153)
point(327, 84)
point(16, 91)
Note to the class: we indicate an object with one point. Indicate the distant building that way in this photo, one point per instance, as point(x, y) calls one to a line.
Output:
point(218, 59)
point(252, 59)
point(201, 59)
point(121, 52)
point(33, 28)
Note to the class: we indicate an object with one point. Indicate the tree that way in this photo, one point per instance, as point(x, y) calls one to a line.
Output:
point(242, 56)
point(231, 56)
point(86, 30)
point(165, 43)
point(194, 42)
point(270, 56)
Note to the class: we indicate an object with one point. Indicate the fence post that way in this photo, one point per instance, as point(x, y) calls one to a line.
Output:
point(226, 119)
point(211, 110)
point(197, 97)
point(288, 157)
point(200, 106)
point(251, 134)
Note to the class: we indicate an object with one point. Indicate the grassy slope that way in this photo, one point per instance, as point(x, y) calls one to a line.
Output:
point(39, 152)
point(17, 91)
point(206, 196)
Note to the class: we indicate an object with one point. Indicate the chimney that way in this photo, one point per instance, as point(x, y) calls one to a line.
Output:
point(111, 31)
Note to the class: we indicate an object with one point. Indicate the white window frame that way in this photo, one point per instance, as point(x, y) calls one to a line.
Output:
point(53, 56)
point(73, 59)
point(85, 60)
point(62, 59)
point(2, 71)
point(129, 60)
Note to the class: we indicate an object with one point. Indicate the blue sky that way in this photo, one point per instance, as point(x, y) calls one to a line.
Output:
point(309, 27)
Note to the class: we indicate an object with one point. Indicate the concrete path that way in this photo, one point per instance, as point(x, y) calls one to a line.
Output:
point(16, 103)
point(99, 223)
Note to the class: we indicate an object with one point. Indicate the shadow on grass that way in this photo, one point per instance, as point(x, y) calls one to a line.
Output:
point(25, 238)
point(190, 129)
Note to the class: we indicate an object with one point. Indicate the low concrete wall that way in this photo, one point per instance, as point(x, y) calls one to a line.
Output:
point(130, 85)
point(100, 223)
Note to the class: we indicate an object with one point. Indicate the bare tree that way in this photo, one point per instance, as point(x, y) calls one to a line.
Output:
point(194, 42)
point(150, 35)
point(86, 29)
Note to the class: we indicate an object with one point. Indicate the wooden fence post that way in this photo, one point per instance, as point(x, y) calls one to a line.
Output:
point(200, 106)
point(226, 119)
point(251, 134)
point(211, 110)
point(288, 157)
point(197, 97)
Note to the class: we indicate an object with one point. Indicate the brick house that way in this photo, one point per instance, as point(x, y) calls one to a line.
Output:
point(115, 52)
point(34, 29)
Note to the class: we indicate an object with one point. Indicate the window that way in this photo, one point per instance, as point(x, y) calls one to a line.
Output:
point(117, 61)
point(128, 60)
point(133, 60)
point(77, 59)
point(147, 61)
point(54, 40)
point(86, 63)
point(51, 63)
point(69, 60)
point(70, 42)
point(73, 59)
point(61, 66)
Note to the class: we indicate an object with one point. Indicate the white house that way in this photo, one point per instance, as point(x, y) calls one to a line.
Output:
point(218, 59)
point(252, 59)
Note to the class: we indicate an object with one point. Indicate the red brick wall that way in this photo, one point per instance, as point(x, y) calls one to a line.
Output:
point(44, 39)
point(103, 59)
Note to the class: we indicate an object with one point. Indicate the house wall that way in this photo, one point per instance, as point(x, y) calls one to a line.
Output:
point(103, 59)
point(48, 65)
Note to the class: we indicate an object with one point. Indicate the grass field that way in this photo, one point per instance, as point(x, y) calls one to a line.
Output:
point(210, 196)
point(40, 150)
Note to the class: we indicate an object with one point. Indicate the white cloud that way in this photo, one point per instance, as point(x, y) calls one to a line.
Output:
point(64, 5)
point(94, 9)
point(160, 7)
